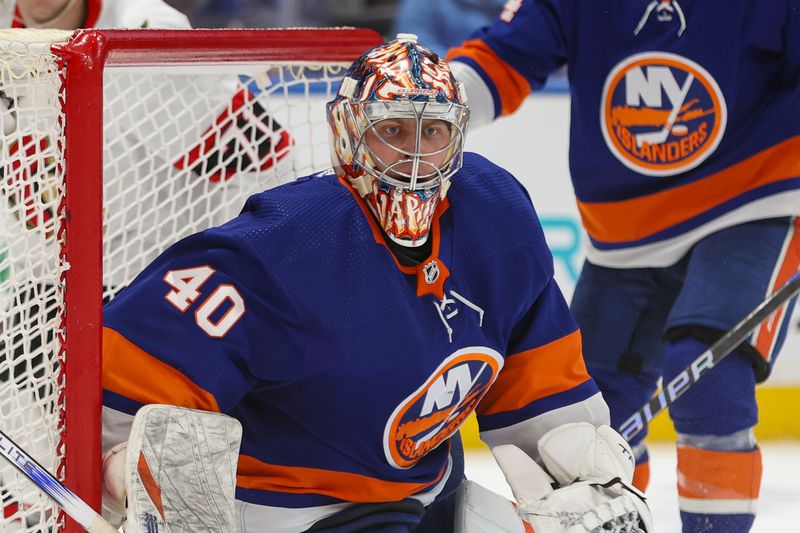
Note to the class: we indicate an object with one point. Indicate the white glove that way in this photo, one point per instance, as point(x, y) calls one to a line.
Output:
point(592, 469)
point(114, 492)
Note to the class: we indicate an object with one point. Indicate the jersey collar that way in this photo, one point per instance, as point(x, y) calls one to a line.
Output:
point(426, 282)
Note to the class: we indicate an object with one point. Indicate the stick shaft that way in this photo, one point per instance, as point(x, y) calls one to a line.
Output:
point(74, 506)
point(709, 359)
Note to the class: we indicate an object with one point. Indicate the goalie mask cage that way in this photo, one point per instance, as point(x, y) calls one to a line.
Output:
point(114, 145)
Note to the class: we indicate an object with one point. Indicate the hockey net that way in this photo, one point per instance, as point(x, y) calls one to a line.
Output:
point(114, 145)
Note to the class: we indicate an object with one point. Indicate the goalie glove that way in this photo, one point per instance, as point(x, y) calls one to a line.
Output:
point(589, 490)
point(114, 491)
point(179, 472)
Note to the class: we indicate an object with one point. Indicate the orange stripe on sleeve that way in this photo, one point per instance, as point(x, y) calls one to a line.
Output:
point(718, 475)
point(510, 85)
point(135, 374)
point(533, 374)
point(637, 218)
point(255, 474)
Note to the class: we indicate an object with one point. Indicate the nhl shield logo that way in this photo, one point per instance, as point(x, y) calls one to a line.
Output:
point(431, 271)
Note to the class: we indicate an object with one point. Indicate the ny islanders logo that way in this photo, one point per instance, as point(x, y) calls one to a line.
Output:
point(661, 114)
point(436, 410)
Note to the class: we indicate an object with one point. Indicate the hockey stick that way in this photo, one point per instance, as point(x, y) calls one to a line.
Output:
point(75, 507)
point(709, 359)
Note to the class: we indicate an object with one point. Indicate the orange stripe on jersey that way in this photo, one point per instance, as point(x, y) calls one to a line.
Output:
point(717, 475)
point(637, 218)
point(533, 374)
point(135, 374)
point(255, 474)
point(511, 86)
point(790, 265)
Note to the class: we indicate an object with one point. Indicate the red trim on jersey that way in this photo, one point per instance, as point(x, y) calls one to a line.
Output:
point(93, 8)
point(637, 218)
point(537, 373)
point(255, 474)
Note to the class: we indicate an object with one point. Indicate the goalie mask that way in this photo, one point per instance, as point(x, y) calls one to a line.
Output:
point(398, 125)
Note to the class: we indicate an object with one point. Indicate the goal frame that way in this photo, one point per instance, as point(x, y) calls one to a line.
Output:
point(86, 55)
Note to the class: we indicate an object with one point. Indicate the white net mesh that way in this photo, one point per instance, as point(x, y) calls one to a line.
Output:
point(31, 296)
point(184, 146)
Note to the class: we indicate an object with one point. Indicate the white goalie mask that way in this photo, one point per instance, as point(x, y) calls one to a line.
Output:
point(398, 125)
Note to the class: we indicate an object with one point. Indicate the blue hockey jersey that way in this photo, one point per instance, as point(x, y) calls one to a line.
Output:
point(685, 115)
point(348, 371)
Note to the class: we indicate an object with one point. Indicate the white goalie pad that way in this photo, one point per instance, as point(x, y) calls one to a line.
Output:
point(181, 471)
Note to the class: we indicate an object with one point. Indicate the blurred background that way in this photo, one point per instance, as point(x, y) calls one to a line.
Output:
point(439, 24)
point(378, 14)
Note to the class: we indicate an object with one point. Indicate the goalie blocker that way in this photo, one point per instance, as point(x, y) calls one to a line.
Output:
point(176, 472)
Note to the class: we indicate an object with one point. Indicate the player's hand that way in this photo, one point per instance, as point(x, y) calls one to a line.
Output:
point(590, 488)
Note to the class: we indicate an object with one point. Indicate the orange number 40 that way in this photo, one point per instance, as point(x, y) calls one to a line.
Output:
point(186, 284)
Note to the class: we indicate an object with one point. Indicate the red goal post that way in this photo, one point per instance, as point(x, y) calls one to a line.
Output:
point(113, 145)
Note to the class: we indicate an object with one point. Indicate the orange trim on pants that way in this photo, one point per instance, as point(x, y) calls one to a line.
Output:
point(790, 265)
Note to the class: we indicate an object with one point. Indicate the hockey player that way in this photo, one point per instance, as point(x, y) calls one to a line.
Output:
point(685, 128)
point(352, 320)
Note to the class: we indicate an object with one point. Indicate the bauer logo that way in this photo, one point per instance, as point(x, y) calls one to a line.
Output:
point(436, 410)
point(661, 114)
